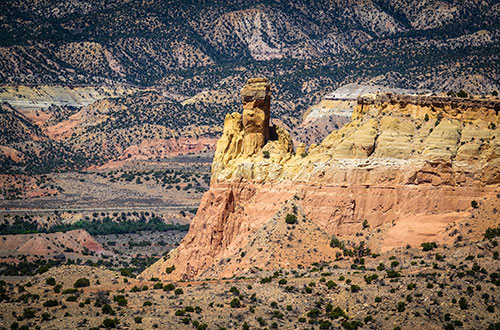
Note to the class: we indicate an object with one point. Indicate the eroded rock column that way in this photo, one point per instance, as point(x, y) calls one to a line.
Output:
point(256, 96)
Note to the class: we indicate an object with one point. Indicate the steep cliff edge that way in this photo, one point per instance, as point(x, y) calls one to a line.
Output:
point(407, 166)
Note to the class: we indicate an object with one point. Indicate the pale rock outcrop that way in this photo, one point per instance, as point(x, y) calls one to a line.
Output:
point(249, 148)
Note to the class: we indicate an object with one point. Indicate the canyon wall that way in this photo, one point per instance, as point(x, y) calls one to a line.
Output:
point(407, 166)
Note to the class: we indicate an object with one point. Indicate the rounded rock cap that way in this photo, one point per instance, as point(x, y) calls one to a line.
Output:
point(257, 80)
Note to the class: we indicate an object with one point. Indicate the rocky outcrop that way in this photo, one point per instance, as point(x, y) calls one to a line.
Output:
point(407, 166)
point(248, 138)
point(256, 114)
point(335, 110)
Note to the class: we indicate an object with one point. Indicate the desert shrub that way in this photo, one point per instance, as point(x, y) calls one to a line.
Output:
point(234, 290)
point(147, 303)
point(81, 282)
point(168, 287)
point(50, 303)
point(72, 298)
point(291, 219)
point(266, 154)
point(138, 319)
point(314, 313)
point(352, 325)
point(126, 272)
point(50, 281)
point(401, 306)
point(462, 302)
point(393, 274)
point(107, 309)
point(70, 291)
point(120, 300)
point(178, 291)
point(428, 246)
point(325, 324)
point(331, 284)
point(29, 313)
point(355, 288)
point(262, 322)
point(170, 269)
point(474, 204)
point(266, 280)
point(491, 233)
point(336, 313)
point(235, 303)
point(110, 323)
point(370, 278)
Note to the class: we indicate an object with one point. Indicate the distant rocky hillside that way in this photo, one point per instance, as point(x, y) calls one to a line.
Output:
point(24, 147)
point(74, 242)
point(144, 125)
point(411, 167)
point(407, 43)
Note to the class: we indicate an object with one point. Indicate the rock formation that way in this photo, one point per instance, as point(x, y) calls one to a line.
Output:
point(256, 113)
point(407, 166)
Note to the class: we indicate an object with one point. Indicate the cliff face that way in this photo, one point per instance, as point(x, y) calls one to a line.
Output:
point(409, 166)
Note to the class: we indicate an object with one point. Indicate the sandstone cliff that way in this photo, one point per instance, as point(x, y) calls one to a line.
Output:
point(407, 166)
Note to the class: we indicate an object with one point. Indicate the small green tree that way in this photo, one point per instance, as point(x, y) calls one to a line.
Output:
point(291, 219)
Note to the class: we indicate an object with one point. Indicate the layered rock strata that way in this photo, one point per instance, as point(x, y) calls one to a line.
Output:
point(409, 166)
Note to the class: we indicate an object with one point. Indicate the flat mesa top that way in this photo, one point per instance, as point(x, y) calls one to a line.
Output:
point(256, 89)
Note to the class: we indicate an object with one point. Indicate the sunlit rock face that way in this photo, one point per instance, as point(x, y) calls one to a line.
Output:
point(256, 96)
point(408, 166)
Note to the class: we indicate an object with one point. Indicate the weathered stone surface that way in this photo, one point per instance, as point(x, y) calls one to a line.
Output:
point(256, 95)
